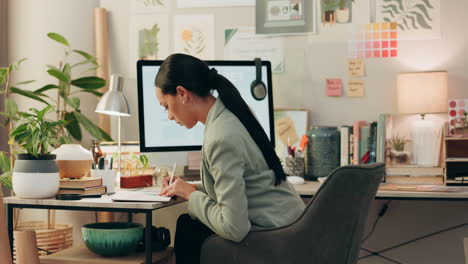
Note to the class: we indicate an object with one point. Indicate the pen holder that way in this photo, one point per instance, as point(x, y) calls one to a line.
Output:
point(108, 179)
point(294, 166)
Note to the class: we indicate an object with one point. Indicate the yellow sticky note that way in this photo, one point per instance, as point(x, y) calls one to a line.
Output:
point(355, 88)
point(355, 68)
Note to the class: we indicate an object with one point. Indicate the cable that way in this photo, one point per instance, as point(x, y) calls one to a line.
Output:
point(372, 253)
point(381, 213)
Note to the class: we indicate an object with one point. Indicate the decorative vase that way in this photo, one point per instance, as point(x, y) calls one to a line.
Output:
point(73, 160)
point(35, 178)
point(342, 15)
point(323, 151)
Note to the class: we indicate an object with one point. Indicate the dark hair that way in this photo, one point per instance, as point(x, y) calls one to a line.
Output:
point(194, 75)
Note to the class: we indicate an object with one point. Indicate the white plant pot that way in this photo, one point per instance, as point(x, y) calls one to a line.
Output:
point(35, 178)
point(342, 15)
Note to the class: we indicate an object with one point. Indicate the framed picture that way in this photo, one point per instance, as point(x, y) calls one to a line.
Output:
point(285, 17)
point(290, 126)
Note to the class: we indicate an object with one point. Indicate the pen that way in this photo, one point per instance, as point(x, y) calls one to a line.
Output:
point(173, 172)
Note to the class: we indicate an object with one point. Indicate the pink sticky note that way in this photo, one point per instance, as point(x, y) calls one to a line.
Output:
point(334, 87)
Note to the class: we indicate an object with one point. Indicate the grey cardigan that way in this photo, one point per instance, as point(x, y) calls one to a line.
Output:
point(238, 193)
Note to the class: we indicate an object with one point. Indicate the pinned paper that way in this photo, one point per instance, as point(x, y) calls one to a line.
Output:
point(334, 87)
point(356, 68)
point(286, 131)
point(355, 88)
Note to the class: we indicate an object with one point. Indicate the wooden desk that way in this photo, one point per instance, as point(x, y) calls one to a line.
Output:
point(104, 203)
point(309, 188)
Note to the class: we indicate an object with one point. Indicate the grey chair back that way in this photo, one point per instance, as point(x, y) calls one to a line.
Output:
point(328, 232)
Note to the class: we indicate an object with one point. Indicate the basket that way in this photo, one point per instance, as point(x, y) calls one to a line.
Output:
point(50, 238)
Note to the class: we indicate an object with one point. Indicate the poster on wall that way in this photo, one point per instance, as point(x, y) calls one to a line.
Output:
point(150, 6)
point(416, 19)
point(285, 17)
point(336, 11)
point(243, 44)
point(194, 35)
point(213, 3)
point(149, 39)
point(375, 40)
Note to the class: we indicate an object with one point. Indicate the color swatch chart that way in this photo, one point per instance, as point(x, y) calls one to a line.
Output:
point(376, 40)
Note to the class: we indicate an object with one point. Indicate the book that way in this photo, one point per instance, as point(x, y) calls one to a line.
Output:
point(356, 140)
point(364, 144)
point(344, 144)
point(81, 183)
point(414, 180)
point(381, 148)
point(83, 191)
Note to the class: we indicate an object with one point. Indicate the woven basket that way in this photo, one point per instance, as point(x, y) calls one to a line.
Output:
point(49, 240)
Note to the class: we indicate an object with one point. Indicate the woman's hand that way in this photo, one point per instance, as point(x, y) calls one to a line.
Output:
point(165, 181)
point(178, 188)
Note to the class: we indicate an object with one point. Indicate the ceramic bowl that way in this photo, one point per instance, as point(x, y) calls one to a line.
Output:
point(112, 239)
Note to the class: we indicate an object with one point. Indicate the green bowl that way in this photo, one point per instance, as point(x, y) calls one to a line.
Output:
point(112, 239)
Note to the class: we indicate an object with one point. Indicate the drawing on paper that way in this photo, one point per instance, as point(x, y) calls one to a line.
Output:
point(194, 41)
point(408, 14)
point(148, 44)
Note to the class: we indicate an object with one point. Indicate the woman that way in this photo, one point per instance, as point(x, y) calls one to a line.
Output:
point(243, 185)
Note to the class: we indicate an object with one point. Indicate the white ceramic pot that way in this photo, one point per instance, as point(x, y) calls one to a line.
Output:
point(342, 15)
point(35, 178)
point(73, 160)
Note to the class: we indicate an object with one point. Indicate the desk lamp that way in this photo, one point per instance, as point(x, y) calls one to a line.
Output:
point(113, 103)
point(423, 93)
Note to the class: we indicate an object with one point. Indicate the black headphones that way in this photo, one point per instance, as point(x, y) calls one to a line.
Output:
point(258, 88)
point(160, 239)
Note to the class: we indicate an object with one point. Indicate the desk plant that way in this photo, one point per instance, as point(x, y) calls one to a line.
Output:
point(35, 174)
point(398, 153)
point(67, 104)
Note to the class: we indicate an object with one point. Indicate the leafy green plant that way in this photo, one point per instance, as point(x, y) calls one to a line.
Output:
point(5, 166)
point(34, 133)
point(342, 4)
point(398, 143)
point(67, 104)
point(142, 159)
point(329, 5)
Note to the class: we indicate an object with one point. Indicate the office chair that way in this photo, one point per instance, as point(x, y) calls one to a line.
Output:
point(328, 232)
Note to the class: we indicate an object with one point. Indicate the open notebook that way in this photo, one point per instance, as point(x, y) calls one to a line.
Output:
point(138, 196)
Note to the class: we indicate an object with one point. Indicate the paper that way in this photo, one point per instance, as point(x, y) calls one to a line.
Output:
point(148, 39)
point(139, 196)
point(376, 40)
point(150, 6)
point(416, 19)
point(355, 68)
point(355, 88)
point(334, 87)
point(286, 131)
point(243, 44)
point(194, 35)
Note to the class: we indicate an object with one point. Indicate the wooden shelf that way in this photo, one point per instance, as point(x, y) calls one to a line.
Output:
point(456, 138)
point(82, 255)
point(456, 160)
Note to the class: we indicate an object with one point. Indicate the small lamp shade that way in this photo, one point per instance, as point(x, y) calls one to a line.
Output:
point(422, 92)
point(114, 102)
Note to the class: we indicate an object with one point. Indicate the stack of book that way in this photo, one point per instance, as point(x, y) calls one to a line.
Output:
point(83, 186)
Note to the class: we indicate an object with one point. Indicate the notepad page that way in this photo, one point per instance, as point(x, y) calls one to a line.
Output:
point(139, 196)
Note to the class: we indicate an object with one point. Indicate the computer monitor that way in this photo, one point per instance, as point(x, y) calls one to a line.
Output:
point(159, 134)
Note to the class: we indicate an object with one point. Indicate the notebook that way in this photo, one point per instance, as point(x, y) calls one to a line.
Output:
point(138, 196)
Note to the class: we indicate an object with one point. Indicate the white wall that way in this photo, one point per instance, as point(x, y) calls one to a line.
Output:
point(308, 61)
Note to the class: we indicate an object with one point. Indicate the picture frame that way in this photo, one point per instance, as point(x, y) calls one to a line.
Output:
point(290, 123)
point(288, 17)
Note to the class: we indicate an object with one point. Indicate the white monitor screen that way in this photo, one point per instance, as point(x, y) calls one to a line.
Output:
point(158, 133)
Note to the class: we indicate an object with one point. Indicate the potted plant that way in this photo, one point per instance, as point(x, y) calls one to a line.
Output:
point(328, 9)
point(461, 125)
point(35, 174)
point(137, 172)
point(398, 153)
point(343, 12)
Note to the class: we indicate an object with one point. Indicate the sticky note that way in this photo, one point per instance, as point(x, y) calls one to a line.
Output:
point(356, 68)
point(355, 88)
point(334, 87)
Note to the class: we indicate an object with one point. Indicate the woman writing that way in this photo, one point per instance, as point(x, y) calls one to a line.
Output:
point(243, 184)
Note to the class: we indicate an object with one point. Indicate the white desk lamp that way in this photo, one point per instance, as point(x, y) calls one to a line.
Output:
point(423, 93)
point(114, 103)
